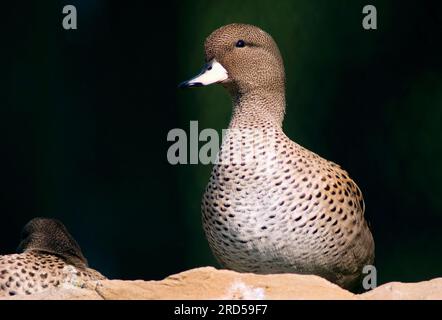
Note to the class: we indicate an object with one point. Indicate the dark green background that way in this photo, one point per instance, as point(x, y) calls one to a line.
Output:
point(84, 117)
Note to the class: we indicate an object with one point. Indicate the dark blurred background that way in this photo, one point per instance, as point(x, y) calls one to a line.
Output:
point(84, 116)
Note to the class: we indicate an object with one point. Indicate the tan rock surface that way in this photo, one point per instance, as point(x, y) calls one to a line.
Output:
point(425, 290)
point(210, 283)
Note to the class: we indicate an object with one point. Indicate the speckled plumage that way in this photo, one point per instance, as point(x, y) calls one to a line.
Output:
point(50, 258)
point(272, 206)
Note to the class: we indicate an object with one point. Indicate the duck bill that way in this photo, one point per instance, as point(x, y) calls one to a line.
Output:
point(213, 72)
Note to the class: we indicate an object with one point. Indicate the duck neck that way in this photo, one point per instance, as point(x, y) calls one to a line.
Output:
point(260, 109)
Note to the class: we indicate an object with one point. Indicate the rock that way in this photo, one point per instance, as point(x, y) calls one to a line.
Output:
point(210, 283)
point(425, 290)
point(60, 294)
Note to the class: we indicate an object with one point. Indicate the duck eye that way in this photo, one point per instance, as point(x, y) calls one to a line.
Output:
point(240, 44)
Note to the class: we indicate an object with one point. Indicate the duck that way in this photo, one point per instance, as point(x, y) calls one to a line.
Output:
point(271, 205)
point(49, 257)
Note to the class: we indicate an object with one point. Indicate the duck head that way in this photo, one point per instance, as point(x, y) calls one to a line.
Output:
point(242, 58)
point(50, 236)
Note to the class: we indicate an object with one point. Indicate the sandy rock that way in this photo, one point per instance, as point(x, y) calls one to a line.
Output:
point(210, 283)
point(60, 294)
point(425, 290)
